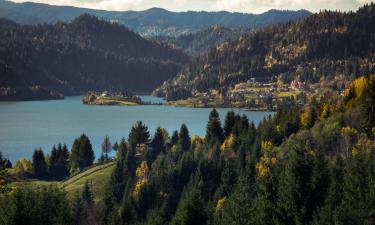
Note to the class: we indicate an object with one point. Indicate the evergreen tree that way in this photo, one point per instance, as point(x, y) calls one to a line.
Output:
point(59, 161)
point(368, 107)
point(139, 134)
point(82, 153)
point(174, 138)
point(238, 207)
point(295, 189)
point(157, 146)
point(184, 138)
point(87, 196)
point(328, 214)
point(39, 164)
point(77, 209)
point(230, 120)
point(214, 130)
point(191, 209)
point(106, 147)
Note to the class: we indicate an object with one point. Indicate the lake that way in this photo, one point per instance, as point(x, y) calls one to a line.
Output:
point(25, 126)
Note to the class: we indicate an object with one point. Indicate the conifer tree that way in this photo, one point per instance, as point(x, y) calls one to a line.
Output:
point(157, 146)
point(106, 147)
point(214, 130)
point(230, 120)
point(191, 209)
point(39, 164)
point(139, 134)
point(174, 138)
point(184, 138)
point(87, 196)
point(82, 153)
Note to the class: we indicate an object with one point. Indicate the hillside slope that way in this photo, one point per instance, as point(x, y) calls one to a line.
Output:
point(86, 54)
point(151, 22)
point(324, 45)
point(200, 42)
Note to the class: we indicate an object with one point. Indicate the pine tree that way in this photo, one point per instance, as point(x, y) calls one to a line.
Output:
point(59, 161)
point(184, 138)
point(82, 153)
point(77, 210)
point(229, 123)
point(174, 138)
point(238, 207)
point(106, 147)
point(328, 214)
point(39, 164)
point(294, 189)
point(87, 196)
point(157, 146)
point(139, 134)
point(191, 209)
point(214, 130)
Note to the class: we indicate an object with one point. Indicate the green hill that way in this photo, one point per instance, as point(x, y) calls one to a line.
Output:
point(98, 176)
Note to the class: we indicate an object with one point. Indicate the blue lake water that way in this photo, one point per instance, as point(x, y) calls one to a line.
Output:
point(25, 126)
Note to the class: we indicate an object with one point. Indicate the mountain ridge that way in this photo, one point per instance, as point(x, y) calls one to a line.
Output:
point(328, 45)
point(150, 22)
point(86, 54)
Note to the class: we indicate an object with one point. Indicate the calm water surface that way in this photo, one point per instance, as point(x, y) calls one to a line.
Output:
point(25, 126)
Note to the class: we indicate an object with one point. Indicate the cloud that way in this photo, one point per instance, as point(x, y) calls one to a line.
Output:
point(258, 6)
point(95, 4)
point(251, 6)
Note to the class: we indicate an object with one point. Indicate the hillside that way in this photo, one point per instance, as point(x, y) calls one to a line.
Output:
point(98, 176)
point(86, 54)
point(200, 42)
point(151, 22)
point(327, 45)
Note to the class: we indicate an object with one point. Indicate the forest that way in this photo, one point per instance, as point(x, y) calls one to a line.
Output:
point(326, 46)
point(303, 165)
point(87, 54)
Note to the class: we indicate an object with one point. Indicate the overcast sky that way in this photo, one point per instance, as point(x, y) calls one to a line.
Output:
point(250, 6)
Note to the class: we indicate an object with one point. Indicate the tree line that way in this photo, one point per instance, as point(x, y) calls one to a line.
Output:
point(303, 165)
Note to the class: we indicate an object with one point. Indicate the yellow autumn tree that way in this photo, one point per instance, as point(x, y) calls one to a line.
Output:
point(228, 142)
point(141, 174)
point(220, 204)
point(349, 136)
point(268, 159)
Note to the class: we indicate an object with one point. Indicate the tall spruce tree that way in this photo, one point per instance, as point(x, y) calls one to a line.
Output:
point(139, 134)
point(39, 164)
point(106, 148)
point(184, 138)
point(174, 138)
point(82, 153)
point(157, 146)
point(214, 132)
point(230, 120)
point(191, 208)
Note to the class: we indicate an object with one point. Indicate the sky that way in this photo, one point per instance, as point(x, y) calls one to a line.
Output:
point(246, 6)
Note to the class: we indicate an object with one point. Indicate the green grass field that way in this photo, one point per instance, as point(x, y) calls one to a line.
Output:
point(98, 176)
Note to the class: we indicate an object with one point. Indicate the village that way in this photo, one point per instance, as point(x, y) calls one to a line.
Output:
point(251, 95)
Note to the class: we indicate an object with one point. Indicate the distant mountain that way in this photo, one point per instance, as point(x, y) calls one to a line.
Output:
point(85, 54)
point(200, 42)
point(152, 22)
point(324, 46)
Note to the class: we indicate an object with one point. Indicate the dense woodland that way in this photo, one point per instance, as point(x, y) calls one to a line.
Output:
point(200, 42)
point(312, 165)
point(325, 46)
point(86, 54)
point(149, 23)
